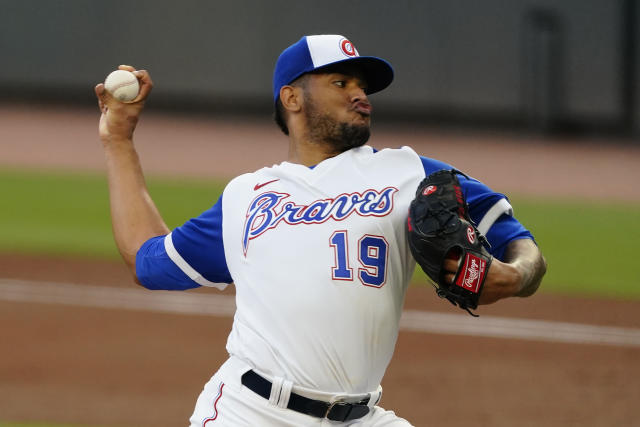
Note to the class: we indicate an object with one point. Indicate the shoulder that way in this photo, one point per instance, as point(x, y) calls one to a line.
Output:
point(389, 157)
point(406, 154)
point(242, 180)
point(474, 189)
point(248, 183)
point(432, 165)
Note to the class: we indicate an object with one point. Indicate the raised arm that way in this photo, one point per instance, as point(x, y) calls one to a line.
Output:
point(134, 216)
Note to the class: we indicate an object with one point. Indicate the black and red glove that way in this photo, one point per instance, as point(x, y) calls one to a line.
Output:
point(439, 227)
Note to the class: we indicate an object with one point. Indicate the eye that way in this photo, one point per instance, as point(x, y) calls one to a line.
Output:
point(340, 83)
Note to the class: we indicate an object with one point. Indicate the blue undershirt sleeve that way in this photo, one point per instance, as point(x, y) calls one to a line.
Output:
point(191, 255)
point(156, 271)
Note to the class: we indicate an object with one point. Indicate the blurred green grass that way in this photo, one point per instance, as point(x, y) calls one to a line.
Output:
point(68, 213)
point(588, 245)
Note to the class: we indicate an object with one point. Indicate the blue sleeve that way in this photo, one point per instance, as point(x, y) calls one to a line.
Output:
point(192, 255)
point(156, 271)
point(505, 230)
point(480, 199)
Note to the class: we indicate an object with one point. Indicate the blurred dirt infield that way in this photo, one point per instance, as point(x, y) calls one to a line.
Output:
point(125, 368)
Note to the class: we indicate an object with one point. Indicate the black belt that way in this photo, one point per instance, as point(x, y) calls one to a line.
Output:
point(336, 411)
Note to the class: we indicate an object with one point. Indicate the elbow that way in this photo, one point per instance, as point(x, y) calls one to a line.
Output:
point(129, 257)
point(136, 280)
point(540, 270)
point(535, 279)
point(134, 275)
point(130, 262)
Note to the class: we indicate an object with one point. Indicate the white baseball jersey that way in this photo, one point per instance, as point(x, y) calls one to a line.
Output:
point(320, 261)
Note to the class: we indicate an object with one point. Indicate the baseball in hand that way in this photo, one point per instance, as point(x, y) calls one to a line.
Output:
point(123, 85)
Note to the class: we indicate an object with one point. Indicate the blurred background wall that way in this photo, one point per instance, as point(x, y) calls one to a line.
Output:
point(543, 65)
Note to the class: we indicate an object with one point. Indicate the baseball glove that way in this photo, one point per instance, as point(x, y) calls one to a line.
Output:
point(439, 227)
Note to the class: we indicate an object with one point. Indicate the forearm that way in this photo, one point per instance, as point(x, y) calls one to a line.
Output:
point(134, 216)
point(519, 274)
point(525, 257)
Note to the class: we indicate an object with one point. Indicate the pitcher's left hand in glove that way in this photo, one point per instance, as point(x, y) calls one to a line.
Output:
point(439, 228)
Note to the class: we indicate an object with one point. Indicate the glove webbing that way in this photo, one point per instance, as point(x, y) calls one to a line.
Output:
point(450, 296)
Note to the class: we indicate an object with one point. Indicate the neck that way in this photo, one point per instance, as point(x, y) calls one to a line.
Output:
point(308, 153)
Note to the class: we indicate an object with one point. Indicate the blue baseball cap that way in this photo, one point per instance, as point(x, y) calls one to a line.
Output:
point(312, 53)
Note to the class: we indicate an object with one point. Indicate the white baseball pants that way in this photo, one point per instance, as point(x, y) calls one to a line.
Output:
point(225, 402)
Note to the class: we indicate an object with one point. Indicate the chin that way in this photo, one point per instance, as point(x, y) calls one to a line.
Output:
point(351, 136)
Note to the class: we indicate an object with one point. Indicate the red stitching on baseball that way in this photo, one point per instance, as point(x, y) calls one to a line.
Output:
point(123, 84)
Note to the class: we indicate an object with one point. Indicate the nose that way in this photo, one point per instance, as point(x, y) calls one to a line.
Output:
point(358, 94)
point(359, 101)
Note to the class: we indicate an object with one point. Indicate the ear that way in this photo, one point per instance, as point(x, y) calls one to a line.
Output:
point(291, 98)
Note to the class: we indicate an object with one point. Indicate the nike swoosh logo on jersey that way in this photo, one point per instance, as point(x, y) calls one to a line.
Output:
point(259, 186)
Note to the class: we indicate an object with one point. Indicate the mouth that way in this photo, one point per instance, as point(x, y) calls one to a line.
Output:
point(363, 108)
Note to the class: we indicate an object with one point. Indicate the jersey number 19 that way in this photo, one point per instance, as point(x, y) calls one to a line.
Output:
point(372, 255)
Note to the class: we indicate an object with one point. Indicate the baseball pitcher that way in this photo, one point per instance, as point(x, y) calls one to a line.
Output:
point(320, 248)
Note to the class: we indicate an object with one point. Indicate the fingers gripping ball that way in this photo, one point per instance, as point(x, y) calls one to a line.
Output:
point(123, 85)
point(439, 228)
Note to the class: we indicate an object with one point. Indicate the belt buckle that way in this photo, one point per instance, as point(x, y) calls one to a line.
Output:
point(338, 403)
point(346, 411)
